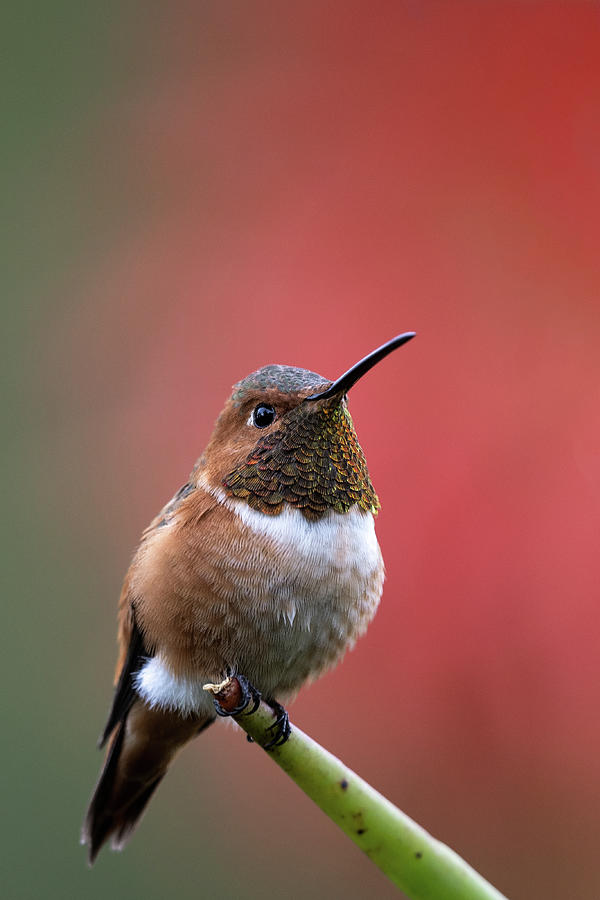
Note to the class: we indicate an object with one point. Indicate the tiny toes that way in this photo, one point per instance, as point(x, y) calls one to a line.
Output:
point(281, 726)
point(249, 695)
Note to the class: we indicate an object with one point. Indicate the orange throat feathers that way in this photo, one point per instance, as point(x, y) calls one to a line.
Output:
point(313, 462)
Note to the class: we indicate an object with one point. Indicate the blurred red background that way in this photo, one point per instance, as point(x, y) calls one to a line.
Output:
point(297, 184)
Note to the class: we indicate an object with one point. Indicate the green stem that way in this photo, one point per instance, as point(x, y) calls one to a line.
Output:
point(420, 865)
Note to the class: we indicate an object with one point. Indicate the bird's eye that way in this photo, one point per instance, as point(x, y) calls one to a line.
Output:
point(263, 415)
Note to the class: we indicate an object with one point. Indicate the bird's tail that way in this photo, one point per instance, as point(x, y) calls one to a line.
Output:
point(140, 751)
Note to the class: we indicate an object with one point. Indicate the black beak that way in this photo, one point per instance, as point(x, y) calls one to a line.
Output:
point(349, 378)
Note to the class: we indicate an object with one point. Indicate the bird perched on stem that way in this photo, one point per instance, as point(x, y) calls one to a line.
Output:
point(264, 566)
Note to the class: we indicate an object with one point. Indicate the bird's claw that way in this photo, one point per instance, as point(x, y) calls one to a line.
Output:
point(250, 695)
point(281, 726)
point(249, 702)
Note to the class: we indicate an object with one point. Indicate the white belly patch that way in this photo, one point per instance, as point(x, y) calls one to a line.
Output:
point(161, 689)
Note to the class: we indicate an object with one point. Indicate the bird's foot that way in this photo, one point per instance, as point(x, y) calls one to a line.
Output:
point(236, 695)
point(246, 694)
point(281, 727)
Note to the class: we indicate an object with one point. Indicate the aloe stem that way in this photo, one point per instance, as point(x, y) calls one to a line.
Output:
point(421, 866)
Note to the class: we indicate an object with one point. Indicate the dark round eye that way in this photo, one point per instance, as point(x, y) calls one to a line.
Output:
point(263, 415)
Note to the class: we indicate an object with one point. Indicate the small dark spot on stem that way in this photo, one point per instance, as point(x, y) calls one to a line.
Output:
point(418, 855)
point(361, 830)
point(344, 784)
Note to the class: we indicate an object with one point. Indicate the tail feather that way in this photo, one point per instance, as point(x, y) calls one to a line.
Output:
point(139, 754)
point(134, 812)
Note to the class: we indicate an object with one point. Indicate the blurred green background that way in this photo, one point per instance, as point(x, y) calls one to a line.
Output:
point(195, 190)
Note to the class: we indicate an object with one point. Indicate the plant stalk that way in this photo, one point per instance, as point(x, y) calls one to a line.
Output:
point(421, 866)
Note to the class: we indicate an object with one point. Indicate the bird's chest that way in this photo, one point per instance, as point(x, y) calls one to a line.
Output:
point(303, 594)
point(276, 598)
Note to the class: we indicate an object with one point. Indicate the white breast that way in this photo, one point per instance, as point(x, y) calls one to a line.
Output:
point(331, 547)
point(324, 581)
point(320, 583)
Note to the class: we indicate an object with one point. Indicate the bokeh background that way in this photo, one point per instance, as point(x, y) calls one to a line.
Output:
point(197, 189)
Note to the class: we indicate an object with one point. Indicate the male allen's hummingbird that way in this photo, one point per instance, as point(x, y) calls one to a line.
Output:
point(264, 565)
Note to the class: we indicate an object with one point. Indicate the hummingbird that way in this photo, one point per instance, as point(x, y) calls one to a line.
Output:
point(264, 566)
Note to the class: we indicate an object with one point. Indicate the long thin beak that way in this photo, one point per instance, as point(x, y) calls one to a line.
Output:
point(349, 378)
